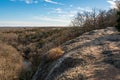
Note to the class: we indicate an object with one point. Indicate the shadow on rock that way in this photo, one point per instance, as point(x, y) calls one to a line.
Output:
point(67, 64)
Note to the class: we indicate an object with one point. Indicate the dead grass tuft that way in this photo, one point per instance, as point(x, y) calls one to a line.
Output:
point(55, 53)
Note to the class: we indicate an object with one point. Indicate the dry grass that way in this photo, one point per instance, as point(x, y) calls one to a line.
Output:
point(55, 53)
point(10, 62)
point(37, 41)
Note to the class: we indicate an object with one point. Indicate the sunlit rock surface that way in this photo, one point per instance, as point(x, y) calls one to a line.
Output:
point(94, 55)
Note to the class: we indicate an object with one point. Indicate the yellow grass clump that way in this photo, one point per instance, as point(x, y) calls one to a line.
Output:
point(55, 53)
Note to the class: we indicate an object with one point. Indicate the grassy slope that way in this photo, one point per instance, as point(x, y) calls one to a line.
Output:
point(10, 62)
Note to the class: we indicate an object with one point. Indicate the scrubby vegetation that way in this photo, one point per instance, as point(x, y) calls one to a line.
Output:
point(10, 62)
point(33, 43)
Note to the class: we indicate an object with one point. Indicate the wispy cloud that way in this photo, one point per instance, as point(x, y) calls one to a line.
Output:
point(51, 19)
point(53, 2)
point(31, 23)
point(36, 1)
point(70, 12)
point(27, 1)
point(63, 15)
point(50, 1)
point(18, 23)
point(113, 3)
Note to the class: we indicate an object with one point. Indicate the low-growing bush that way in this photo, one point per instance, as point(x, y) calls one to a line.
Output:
point(55, 53)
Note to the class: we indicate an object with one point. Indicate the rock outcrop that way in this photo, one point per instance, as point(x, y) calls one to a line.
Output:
point(93, 56)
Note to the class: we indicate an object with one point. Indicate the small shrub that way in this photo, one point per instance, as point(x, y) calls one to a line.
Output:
point(55, 53)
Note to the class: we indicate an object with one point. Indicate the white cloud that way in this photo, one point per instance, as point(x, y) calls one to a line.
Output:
point(17, 23)
point(50, 1)
point(113, 3)
point(64, 15)
point(30, 1)
point(53, 2)
point(70, 12)
point(38, 21)
point(36, 1)
point(30, 23)
point(88, 9)
point(27, 1)
point(51, 19)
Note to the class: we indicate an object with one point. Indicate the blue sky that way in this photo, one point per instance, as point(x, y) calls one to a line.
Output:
point(46, 12)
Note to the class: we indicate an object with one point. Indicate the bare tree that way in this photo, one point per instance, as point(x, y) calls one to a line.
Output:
point(78, 20)
point(95, 19)
point(84, 19)
point(101, 18)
